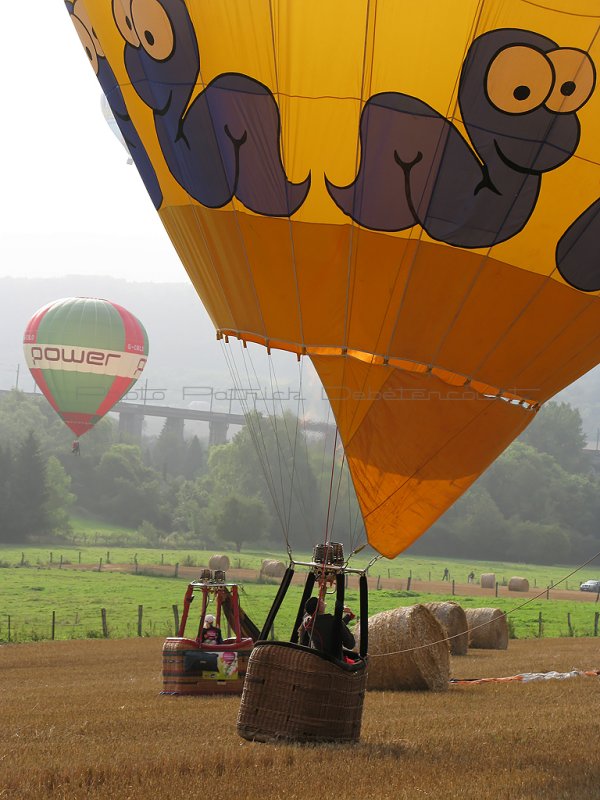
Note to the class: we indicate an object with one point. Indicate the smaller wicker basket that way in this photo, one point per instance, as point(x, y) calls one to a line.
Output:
point(292, 693)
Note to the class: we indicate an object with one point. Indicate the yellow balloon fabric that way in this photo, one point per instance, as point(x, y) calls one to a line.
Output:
point(405, 192)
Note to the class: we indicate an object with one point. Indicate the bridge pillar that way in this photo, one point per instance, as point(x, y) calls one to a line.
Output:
point(217, 432)
point(130, 426)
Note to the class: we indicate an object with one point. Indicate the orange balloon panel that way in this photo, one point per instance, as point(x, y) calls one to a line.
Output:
point(414, 444)
point(418, 213)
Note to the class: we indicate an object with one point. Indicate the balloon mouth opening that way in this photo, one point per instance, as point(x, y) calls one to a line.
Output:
point(447, 376)
point(78, 423)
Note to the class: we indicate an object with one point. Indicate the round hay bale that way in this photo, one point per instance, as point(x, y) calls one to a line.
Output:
point(518, 585)
point(402, 629)
point(453, 619)
point(219, 562)
point(488, 580)
point(488, 628)
point(273, 569)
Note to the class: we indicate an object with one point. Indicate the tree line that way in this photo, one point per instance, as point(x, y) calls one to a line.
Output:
point(273, 483)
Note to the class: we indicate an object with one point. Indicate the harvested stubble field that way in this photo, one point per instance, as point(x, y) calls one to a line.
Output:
point(84, 719)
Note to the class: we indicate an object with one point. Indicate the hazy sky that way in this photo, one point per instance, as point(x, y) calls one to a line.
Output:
point(70, 203)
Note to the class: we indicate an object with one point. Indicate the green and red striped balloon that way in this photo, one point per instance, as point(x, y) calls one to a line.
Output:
point(84, 354)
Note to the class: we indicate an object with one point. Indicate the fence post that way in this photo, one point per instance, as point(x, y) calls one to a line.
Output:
point(162, 559)
point(496, 588)
point(22, 558)
point(596, 616)
point(8, 627)
point(136, 564)
point(388, 572)
point(453, 586)
point(379, 581)
point(140, 617)
point(60, 565)
point(80, 556)
point(176, 618)
point(51, 557)
point(569, 624)
point(108, 557)
point(430, 577)
point(100, 566)
point(53, 623)
point(408, 583)
point(540, 625)
point(104, 623)
point(176, 570)
point(547, 593)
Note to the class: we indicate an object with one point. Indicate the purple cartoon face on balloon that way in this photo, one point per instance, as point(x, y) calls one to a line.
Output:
point(518, 94)
point(226, 142)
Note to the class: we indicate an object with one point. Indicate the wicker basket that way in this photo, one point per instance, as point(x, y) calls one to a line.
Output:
point(292, 693)
point(182, 676)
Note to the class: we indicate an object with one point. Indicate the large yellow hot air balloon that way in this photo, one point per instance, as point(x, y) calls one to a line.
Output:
point(405, 192)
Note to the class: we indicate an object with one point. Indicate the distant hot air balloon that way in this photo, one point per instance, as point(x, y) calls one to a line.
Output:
point(84, 354)
point(405, 192)
point(112, 124)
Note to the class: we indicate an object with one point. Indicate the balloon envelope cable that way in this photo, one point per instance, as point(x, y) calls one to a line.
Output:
point(303, 502)
point(255, 429)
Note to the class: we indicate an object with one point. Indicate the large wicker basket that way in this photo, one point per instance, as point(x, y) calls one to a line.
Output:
point(293, 693)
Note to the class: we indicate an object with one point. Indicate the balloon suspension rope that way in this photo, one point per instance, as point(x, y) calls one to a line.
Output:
point(322, 581)
point(327, 532)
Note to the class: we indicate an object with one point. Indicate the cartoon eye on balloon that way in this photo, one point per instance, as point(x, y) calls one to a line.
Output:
point(145, 24)
point(574, 81)
point(521, 78)
point(420, 274)
point(124, 20)
point(87, 41)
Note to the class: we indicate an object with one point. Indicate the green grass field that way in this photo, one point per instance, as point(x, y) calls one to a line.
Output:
point(420, 568)
point(32, 587)
point(30, 594)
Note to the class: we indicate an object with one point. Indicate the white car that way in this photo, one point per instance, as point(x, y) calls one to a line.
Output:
point(590, 586)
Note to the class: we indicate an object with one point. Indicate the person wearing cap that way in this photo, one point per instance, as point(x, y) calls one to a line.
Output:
point(210, 633)
point(317, 628)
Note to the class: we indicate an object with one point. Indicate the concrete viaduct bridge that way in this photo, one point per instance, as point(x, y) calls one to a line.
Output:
point(132, 415)
point(131, 420)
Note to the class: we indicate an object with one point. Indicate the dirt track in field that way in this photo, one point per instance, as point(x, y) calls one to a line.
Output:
point(394, 584)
